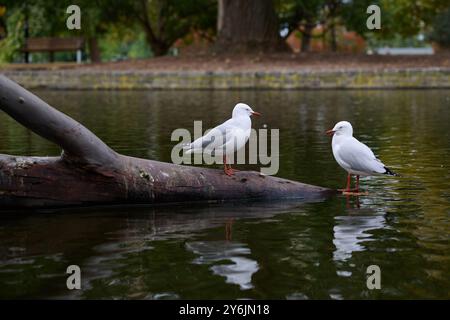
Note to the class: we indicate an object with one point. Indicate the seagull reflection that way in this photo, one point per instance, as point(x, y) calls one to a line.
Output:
point(350, 232)
point(215, 253)
point(349, 203)
point(229, 229)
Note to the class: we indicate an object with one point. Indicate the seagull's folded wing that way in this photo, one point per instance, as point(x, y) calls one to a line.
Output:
point(360, 158)
point(213, 139)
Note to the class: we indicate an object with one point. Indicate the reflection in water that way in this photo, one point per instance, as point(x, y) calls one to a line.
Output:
point(350, 232)
point(217, 253)
point(275, 250)
point(120, 235)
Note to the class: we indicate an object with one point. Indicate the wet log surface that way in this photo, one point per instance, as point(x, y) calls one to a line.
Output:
point(90, 173)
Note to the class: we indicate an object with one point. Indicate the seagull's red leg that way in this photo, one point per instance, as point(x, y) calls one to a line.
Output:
point(349, 181)
point(225, 168)
point(347, 201)
point(234, 170)
point(228, 171)
point(231, 169)
point(228, 229)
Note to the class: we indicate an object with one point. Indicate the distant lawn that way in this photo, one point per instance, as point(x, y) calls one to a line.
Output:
point(257, 62)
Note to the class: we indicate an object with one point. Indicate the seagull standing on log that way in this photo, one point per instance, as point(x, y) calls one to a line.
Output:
point(227, 138)
point(353, 156)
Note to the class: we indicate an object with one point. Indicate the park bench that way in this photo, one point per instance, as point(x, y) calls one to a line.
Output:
point(52, 45)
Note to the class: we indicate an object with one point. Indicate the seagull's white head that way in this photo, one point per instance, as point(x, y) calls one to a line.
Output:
point(241, 109)
point(343, 128)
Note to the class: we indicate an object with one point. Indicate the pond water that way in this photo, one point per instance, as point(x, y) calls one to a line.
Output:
point(279, 250)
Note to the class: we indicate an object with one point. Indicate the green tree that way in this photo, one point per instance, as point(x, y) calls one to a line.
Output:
point(302, 16)
point(407, 17)
point(441, 29)
point(10, 44)
point(47, 18)
point(164, 21)
point(398, 18)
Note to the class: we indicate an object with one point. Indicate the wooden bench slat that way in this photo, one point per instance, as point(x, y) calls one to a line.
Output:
point(53, 44)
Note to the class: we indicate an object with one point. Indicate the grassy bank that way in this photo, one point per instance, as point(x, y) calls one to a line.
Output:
point(287, 71)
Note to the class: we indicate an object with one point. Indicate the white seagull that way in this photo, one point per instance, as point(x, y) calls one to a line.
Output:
point(353, 156)
point(226, 138)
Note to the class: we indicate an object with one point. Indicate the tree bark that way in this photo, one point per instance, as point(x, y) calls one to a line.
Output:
point(88, 172)
point(248, 26)
point(333, 41)
point(94, 50)
point(3, 28)
point(158, 45)
point(306, 37)
point(333, 8)
point(159, 48)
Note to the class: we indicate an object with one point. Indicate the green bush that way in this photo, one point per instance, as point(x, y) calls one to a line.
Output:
point(441, 29)
point(9, 47)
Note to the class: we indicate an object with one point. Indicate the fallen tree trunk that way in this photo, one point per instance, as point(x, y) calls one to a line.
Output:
point(88, 172)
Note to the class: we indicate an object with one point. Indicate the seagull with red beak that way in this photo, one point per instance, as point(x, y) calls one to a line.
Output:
point(227, 138)
point(353, 156)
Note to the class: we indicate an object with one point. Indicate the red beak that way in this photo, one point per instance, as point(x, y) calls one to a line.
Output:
point(254, 113)
point(329, 132)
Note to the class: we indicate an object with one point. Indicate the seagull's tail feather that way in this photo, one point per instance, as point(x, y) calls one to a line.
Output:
point(187, 148)
point(389, 172)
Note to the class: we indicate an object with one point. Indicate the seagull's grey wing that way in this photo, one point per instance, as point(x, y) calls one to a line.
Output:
point(360, 158)
point(215, 137)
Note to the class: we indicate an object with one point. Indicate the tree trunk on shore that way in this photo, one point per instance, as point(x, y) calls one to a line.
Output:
point(248, 26)
point(333, 8)
point(94, 50)
point(159, 48)
point(306, 36)
point(88, 172)
point(333, 41)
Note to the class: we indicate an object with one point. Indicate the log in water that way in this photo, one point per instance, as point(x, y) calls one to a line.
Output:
point(88, 172)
